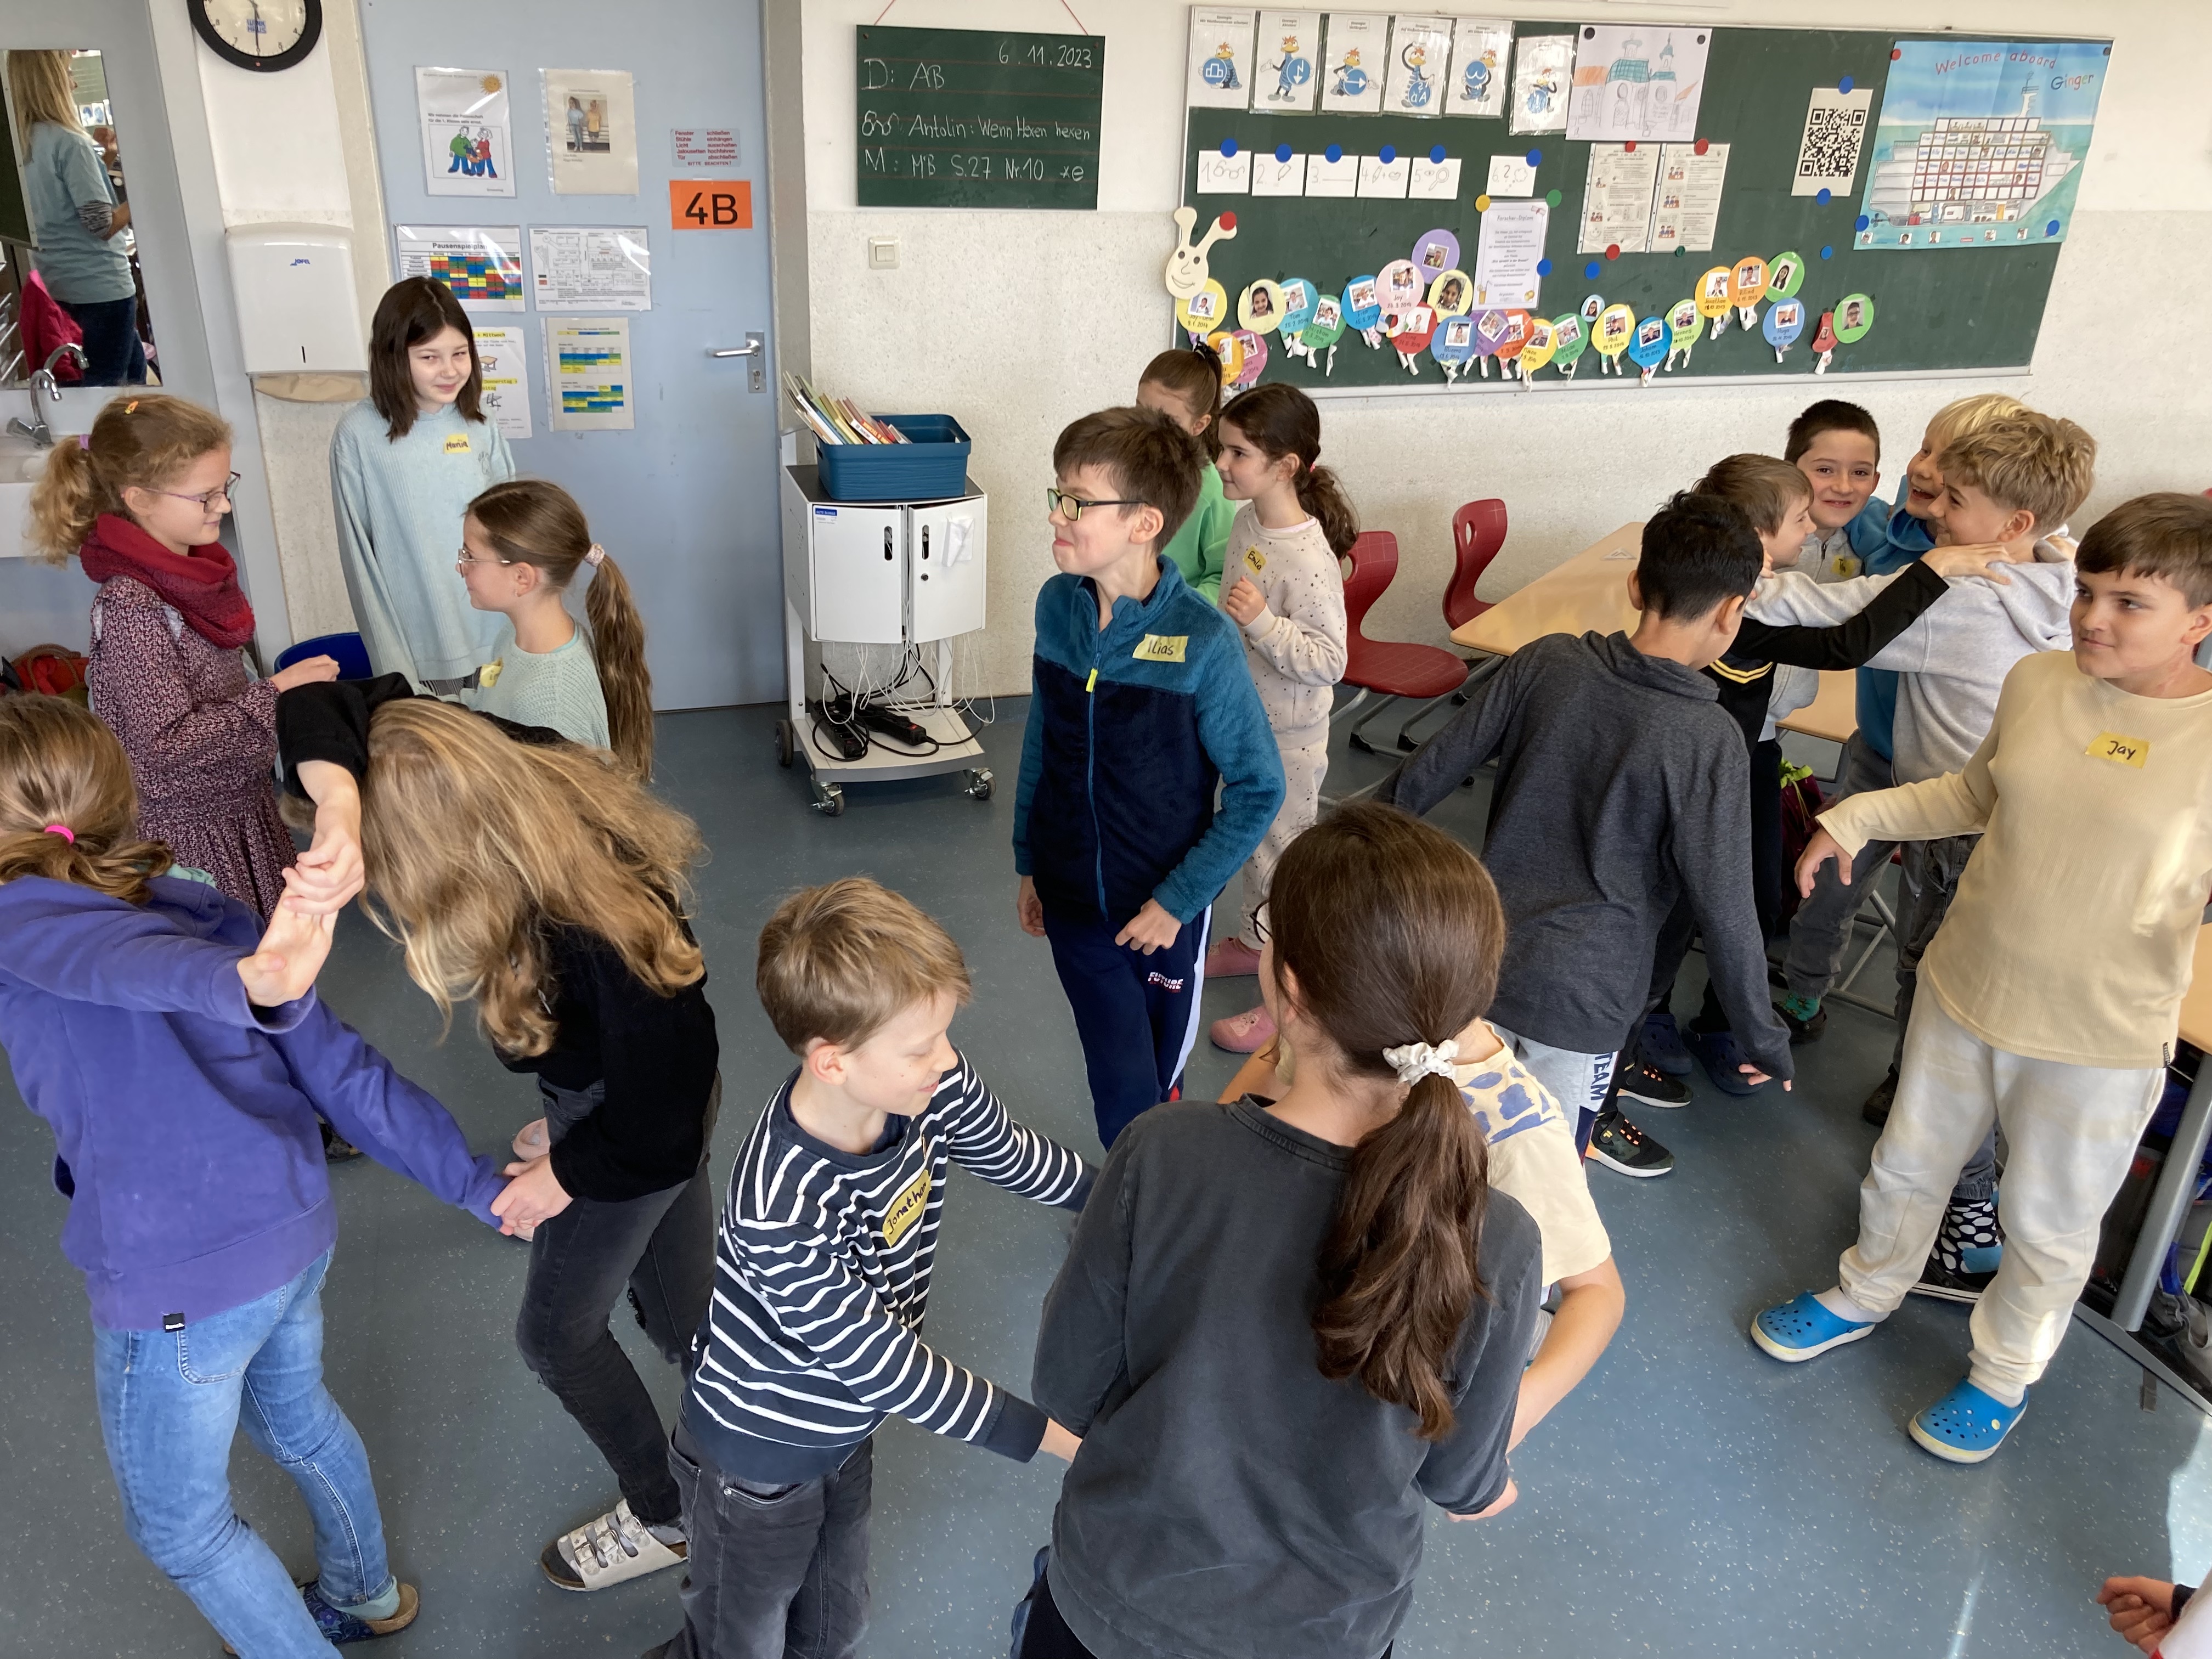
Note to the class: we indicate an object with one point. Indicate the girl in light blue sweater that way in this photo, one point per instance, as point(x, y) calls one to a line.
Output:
point(404, 467)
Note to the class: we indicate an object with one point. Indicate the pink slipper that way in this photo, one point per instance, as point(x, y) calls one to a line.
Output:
point(1232, 958)
point(1246, 1033)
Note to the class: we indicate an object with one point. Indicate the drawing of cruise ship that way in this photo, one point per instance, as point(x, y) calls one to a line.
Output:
point(1989, 172)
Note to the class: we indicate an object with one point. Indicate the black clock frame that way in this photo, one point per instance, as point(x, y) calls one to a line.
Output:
point(297, 52)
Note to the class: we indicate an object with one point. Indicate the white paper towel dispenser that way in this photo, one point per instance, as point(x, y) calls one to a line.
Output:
point(297, 308)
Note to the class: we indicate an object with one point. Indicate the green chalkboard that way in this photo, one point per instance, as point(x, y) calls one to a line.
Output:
point(978, 118)
point(1978, 308)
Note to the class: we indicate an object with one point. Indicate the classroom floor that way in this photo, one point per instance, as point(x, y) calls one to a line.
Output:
point(1693, 1496)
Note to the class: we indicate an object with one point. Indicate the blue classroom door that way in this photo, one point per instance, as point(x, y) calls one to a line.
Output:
point(686, 501)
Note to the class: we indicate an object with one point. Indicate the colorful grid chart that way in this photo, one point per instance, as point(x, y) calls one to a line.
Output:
point(1998, 164)
point(474, 276)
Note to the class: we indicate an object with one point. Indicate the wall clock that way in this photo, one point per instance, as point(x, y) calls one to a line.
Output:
point(258, 34)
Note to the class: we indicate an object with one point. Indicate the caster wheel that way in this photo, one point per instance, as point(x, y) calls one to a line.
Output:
point(783, 743)
point(829, 800)
point(979, 784)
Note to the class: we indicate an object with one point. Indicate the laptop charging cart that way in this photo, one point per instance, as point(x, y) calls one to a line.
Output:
point(901, 572)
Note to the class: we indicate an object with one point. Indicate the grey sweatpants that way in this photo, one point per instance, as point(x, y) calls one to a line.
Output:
point(1305, 761)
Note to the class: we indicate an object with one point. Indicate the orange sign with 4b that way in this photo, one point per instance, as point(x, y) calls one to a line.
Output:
point(710, 203)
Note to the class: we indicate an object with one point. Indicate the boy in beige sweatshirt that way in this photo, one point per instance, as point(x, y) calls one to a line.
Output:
point(2053, 989)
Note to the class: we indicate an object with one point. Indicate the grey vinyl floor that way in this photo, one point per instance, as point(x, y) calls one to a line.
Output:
point(1692, 1497)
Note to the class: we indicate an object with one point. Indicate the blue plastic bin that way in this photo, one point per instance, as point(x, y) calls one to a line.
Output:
point(933, 467)
point(352, 654)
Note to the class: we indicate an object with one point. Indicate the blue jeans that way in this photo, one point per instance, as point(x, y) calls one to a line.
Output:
point(114, 354)
point(171, 1402)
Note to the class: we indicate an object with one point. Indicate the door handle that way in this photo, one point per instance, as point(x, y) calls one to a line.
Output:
point(756, 347)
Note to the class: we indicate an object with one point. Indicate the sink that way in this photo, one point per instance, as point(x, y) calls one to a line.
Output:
point(23, 463)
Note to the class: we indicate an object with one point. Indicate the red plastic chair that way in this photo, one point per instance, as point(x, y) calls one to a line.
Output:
point(1391, 669)
point(1477, 535)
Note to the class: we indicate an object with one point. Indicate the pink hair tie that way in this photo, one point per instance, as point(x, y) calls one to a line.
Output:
point(84, 440)
point(597, 556)
point(61, 830)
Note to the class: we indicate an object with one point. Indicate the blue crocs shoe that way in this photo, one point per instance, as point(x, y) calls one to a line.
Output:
point(1965, 1426)
point(1800, 1329)
point(1719, 1056)
point(1660, 1041)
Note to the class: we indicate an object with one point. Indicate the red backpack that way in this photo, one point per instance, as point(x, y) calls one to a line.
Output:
point(53, 670)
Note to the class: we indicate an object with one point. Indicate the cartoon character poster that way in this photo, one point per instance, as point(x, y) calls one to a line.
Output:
point(1353, 63)
point(466, 149)
point(1420, 56)
point(1543, 67)
point(1480, 46)
point(1221, 59)
point(1287, 63)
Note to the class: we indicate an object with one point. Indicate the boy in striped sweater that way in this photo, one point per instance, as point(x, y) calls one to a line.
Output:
point(821, 1268)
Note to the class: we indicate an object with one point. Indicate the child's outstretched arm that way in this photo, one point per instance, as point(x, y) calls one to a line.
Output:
point(1711, 841)
point(1465, 743)
point(984, 1139)
point(1590, 1306)
point(151, 706)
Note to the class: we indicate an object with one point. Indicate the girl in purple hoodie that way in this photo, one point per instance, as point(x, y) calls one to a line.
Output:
point(181, 1064)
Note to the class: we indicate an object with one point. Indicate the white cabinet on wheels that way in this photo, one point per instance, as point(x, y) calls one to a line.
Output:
point(907, 573)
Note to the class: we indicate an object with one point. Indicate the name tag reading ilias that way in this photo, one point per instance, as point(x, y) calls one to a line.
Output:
point(2121, 751)
point(1161, 647)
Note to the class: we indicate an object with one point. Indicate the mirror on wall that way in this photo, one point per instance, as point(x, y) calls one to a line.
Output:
point(72, 299)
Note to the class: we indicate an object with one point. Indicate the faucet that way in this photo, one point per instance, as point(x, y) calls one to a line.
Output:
point(42, 380)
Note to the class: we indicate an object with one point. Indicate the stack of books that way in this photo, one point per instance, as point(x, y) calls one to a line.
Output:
point(837, 420)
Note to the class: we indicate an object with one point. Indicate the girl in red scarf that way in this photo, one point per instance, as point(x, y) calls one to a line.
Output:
point(140, 500)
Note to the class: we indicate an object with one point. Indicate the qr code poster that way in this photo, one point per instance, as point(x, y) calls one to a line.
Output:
point(1835, 133)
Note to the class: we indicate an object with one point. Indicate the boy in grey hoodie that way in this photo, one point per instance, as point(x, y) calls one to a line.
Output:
point(2013, 483)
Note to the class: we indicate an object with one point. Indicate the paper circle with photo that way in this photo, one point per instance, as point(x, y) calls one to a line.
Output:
point(1683, 319)
point(1570, 339)
point(1854, 317)
point(1401, 283)
point(1437, 250)
point(1713, 293)
point(1515, 337)
point(1591, 309)
point(1489, 330)
point(1205, 311)
point(1615, 328)
point(1259, 306)
point(1748, 281)
point(1416, 326)
point(1452, 293)
point(1536, 351)
point(1255, 360)
point(1824, 338)
point(1229, 346)
point(1454, 340)
point(1327, 324)
point(1785, 321)
point(1647, 346)
point(1362, 302)
point(1785, 275)
point(1299, 296)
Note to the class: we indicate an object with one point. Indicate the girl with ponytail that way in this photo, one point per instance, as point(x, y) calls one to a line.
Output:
point(1185, 386)
point(1280, 1330)
point(523, 542)
point(1286, 592)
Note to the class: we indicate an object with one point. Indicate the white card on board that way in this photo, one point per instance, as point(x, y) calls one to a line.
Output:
point(1273, 178)
point(1435, 181)
point(1220, 73)
point(1287, 63)
point(1388, 179)
point(1327, 178)
point(1353, 65)
point(1511, 175)
point(1224, 175)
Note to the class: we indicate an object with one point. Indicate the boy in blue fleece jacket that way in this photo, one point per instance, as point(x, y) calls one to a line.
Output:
point(1141, 704)
point(182, 1066)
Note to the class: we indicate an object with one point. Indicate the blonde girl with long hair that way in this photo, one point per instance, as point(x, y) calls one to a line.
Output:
point(77, 220)
point(139, 501)
point(181, 1057)
point(542, 881)
point(523, 543)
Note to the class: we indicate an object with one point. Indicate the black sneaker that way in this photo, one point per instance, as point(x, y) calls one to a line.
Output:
point(1619, 1145)
point(1946, 1284)
point(1642, 1080)
point(1876, 1109)
point(1804, 1031)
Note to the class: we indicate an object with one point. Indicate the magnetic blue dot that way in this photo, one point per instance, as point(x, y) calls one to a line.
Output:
point(1843, 85)
point(1861, 222)
point(1822, 195)
point(1827, 253)
point(1590, 270)
point(1282, 152)
point(1229, 147)
point(2051, 229)
point(1543, 267)
point(1335, 154)
point(1436, 155)
point(1535, 158)
point(1389, 153)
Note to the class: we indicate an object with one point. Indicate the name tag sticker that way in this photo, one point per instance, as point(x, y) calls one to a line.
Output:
point(906, 1209)
point(2121, 751)
point(1255, 560)
point(457, 443)
point(1161, 647)
point(488, 676)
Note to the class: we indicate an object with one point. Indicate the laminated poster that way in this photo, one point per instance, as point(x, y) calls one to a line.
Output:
point(1617, 198)
point(588, 372)
point(1638, 80)
point(591, 129)
point(506, 378)
point(596, 267)
point(1543, 64)
point(1221, 58)
point(1352, 62)
point(1506, 256)
point(1835, 133)
point(481, 264)
point(1480, 46)
point(1420, 57)
point(468, 147)
point(1288, 56)
point(1688, 202)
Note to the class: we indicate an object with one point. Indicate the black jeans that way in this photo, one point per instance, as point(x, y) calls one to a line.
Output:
point(1047, 1636)
point(114, 354)
point(773, 1572)
point(662, 1247)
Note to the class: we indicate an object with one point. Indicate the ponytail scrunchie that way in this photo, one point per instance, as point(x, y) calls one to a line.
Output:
point(1416, 1061)
point(61, 830)
point(597, 556)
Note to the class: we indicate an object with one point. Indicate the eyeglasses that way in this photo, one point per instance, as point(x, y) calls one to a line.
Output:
point(206, 498)
point(1059, 501)
point(462, 562)
point(1260, 922)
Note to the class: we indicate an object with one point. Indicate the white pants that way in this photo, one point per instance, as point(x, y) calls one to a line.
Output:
point(1305, 761)
point(1578, 1081)
point(2073, 1131)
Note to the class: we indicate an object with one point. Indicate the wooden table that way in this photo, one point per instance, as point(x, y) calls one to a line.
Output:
point(1589, 594)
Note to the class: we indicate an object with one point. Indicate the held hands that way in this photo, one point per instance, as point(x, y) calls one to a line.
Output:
point(1151, 929)
point(1059, 1442)
point(1029, 909)
point(1503, 1501)
point(306, 671)
point(330, 870)
point(292, 952)
point(1977, 559)
point(2138, 1609)
point(533, 1196)
point(1245, 602)
point(1818, 851)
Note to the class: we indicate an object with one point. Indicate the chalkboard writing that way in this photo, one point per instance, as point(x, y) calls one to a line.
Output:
point(975, 118)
